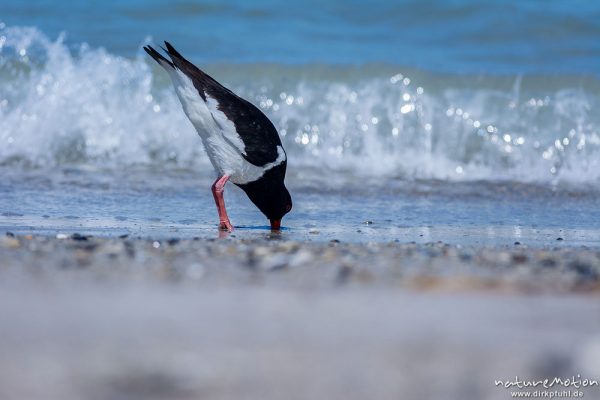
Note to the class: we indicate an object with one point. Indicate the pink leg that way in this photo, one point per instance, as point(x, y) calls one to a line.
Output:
point(217, 189)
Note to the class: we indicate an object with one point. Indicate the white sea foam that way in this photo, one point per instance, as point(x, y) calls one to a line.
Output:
point(91, 107)
point(85, 105)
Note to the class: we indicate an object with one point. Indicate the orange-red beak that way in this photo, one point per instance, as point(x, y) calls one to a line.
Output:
point(275, 224)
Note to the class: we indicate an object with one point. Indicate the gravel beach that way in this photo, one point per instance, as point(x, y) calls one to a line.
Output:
point(130, 318)
point(278, 263)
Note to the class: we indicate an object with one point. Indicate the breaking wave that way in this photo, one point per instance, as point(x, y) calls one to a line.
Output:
point(61, 105)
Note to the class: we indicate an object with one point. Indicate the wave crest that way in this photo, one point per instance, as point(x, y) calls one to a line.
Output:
point(87, 106)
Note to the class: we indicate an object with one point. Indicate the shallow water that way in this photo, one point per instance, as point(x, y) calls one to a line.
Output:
point(178, 203)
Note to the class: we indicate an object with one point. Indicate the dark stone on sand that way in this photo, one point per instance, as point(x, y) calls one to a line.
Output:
point(517, 243)
point(88, 246)
point(79, 237)
point(519, 258)
point(10, 234)
point(548, 262)
point(278, 267)
point(584, 270)
point(173, 241)
point(559, 238)
point(124, 236)
point(343, 274)
point(334, 241)
point(129, 248)
point(251, 260)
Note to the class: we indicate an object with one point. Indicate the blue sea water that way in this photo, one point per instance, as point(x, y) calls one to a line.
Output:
point(454, 36)
point(472, 120)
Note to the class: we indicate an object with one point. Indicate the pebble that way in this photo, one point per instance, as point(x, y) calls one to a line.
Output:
point(343, 274)
point(548, 262)
point(519, 258)
point(584, 270)
point(504, 257)
point(288, 246)
point(300, 258)
point(275, 262)
point(10, 242)
point(195, 271)
point(113, 249)
point(261, 251)
point(79, 237)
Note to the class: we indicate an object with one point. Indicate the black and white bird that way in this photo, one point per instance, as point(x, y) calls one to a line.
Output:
point(242, 144)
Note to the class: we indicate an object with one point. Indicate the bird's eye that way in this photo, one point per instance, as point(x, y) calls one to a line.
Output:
point(288, 207)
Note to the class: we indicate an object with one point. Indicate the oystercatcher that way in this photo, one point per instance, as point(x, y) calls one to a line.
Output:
point(242, 144)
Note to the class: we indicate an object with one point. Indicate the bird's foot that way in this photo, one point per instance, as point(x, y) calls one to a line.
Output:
point(225, 226)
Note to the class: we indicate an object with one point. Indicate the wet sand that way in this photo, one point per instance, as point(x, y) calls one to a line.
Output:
point(127, 318)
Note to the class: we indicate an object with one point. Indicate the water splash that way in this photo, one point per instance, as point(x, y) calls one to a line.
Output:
point(87, 106)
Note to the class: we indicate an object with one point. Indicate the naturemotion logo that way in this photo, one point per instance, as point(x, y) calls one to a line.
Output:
point(548, 387)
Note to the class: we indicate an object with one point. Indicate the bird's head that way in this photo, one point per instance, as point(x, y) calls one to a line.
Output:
point(278, 205)
point(271, 197)
point(274, 202)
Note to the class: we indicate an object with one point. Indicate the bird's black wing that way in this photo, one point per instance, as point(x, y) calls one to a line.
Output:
point(254, 128)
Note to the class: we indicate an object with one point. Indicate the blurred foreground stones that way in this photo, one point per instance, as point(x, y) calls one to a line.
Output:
point(124, 318)
point(280, 263)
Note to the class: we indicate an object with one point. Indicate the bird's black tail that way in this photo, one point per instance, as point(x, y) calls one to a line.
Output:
point(200, 78)
point(172, 52)
point(202, 81)
point(179, 61)
point(159, 58)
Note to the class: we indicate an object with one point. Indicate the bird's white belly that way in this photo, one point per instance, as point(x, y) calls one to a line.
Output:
point(226, 160)
point(223, 146)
